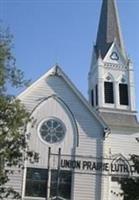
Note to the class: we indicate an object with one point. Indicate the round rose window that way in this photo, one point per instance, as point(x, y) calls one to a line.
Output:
point(52, 130)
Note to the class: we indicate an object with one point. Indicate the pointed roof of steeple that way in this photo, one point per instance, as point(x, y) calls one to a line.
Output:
point(109, 28)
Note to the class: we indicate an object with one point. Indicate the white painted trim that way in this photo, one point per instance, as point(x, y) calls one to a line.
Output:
point(35, 83)
point(24, 181)
point(39, 135)
point(125, 59)
point(58, 70)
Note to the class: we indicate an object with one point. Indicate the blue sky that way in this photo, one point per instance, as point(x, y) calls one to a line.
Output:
point(47, 32)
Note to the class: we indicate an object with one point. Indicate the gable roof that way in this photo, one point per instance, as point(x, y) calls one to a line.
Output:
point(120, 121)
point(57, 71)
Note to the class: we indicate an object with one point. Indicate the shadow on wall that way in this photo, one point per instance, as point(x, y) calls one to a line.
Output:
point(90, 130)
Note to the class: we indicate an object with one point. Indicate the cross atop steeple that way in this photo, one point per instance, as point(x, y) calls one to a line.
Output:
point(109, 28)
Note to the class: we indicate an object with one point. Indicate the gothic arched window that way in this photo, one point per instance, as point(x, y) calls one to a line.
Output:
point(108, 90)
point(123, 92)
point(96, 88)
point(92, 97)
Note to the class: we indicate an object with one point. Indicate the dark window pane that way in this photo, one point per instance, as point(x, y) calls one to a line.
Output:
point(65, 184)
point(53, 188)
point(123, 93)
point(92, 97)
point(64, 188)
point(115, 179)
point(36, 182)
point(108, 89)
point(96, 95)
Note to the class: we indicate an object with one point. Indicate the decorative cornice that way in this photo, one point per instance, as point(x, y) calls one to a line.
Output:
point(115, 66)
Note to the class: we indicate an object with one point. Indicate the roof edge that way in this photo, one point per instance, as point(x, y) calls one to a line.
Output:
point(57, 71)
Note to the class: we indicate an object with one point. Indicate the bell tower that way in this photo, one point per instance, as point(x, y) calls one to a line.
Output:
point(111, 76)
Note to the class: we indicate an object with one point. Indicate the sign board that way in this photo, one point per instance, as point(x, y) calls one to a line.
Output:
point(118, 165)
point(96, 166)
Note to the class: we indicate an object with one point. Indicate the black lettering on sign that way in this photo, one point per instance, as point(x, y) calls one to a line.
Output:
point(71, 164)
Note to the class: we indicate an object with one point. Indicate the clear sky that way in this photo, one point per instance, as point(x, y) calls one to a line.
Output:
point(47, 32)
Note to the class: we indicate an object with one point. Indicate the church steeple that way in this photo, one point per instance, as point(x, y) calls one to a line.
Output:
point(109, 28)
point(111, 76)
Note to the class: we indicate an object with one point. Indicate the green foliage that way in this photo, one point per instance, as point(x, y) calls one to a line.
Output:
point(13, 118)
point(9, 73)
point(130, 186)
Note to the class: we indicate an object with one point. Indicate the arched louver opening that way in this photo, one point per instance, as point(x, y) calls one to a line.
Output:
point(108, 91)
point(96, 95)
point(123, 94)
point(92, 97)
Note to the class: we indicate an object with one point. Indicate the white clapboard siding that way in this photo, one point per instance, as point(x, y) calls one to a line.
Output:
point(119, 144)
point(92, 148)
point(52, 96)
point(84, 187)
point(87, 125)
point(105, 188)
point(122, 144)
point(16, 180)
point(57, 85)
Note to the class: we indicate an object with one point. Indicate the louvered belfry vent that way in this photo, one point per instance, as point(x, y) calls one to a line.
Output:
point(92, 97)
point(123, 94)
point(108, 87)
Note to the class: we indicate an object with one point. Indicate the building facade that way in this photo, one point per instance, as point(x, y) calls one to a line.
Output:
point(84, 146)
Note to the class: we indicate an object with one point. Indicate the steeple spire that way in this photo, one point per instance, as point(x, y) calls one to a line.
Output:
point(111, 82)
point(109, 28)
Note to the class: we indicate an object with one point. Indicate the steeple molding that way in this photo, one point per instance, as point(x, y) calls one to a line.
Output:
point(115, 55)
point(109, 57)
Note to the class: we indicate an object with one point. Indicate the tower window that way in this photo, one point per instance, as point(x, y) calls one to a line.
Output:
point(92, 97)
point(96, 95)
point(123, 94)
point(108, 89)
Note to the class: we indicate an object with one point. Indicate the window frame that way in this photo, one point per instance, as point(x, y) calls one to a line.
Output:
point(109, 88)
point(92, 97)
point(60, 178)
point(46, 120)
point(96, 94)
point(27, 182)
point(123, 94)
point(45, 180)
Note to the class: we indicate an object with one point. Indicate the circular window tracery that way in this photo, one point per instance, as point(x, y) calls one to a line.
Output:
point(52, 130)
point(108, 78)
point(123, 80)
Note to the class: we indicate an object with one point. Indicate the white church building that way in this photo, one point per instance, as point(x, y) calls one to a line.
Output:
point(84, 146)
